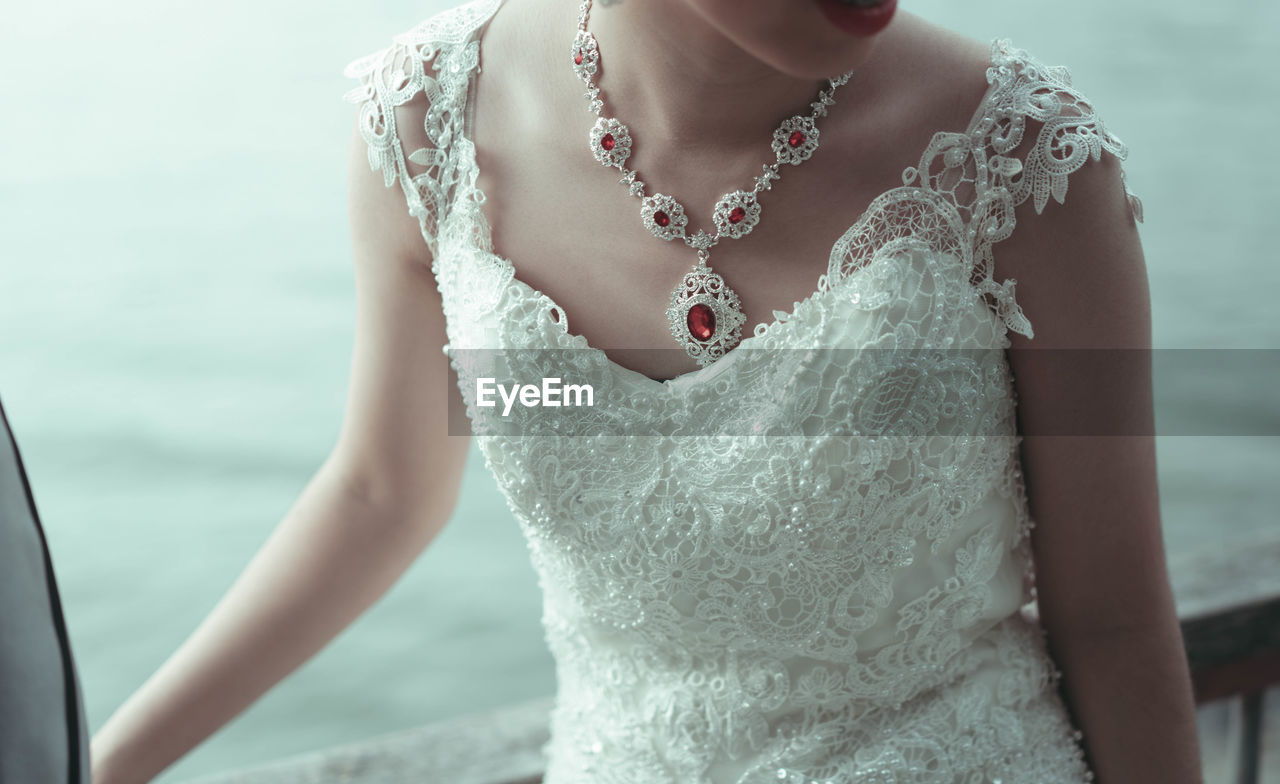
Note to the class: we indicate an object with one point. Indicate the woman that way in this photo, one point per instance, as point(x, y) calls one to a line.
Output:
point(794, 553)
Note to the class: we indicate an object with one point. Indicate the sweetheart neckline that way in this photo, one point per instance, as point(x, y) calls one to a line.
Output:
point(707, 371)
point(469, 190)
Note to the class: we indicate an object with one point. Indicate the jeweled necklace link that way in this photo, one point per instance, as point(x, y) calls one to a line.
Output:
point(705, 315)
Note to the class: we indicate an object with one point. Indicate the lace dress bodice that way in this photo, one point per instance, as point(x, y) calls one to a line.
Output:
point(805, 562)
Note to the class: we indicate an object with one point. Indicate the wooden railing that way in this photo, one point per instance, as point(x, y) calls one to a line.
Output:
point(1228, 603)
point(1229, 606)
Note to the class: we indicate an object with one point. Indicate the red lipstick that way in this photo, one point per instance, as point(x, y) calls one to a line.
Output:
point(858, 20)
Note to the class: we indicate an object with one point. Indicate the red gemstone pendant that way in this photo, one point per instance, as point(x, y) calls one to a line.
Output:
point(737, 214)
point(607, 141)
point(705, 315)
point(796, 139)
point(577, 59)
point(702, 321)
point(662, 219)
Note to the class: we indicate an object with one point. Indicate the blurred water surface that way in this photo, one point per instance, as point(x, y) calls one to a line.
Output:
point(176, 324)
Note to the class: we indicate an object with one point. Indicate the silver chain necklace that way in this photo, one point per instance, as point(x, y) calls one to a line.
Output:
point(705, 315)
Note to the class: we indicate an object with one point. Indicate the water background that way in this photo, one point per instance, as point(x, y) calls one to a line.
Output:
point(176, 321)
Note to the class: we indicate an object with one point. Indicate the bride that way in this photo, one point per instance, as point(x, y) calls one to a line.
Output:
point(820, 560)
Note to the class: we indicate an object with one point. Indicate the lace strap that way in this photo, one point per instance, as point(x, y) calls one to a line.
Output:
point(986, 172)
point(1071, 130)
point(412, 100)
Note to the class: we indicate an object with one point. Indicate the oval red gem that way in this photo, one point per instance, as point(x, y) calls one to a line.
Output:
point(662, 219)
point(737, 214)
point(577, 59)
point(796, 139)
point(607, 141)
point(701, 321)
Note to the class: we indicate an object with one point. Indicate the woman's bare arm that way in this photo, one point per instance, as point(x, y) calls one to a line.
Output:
point(382, 495)
point(1083, 382)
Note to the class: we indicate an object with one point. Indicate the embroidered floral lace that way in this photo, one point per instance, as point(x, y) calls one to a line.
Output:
point(791, 601)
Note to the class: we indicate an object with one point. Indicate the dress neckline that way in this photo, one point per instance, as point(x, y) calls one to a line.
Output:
point(827, 282)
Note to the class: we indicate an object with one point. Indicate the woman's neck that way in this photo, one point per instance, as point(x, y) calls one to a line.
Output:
point(663, 67)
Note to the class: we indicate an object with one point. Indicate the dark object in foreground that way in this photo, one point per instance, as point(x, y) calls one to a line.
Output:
point(43, 733)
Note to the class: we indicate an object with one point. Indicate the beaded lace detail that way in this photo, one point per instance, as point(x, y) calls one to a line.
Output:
point(787, 599)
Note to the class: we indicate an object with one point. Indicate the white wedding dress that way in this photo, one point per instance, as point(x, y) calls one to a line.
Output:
point(790, 565)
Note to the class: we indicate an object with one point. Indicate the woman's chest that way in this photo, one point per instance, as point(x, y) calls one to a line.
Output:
point(574, 232)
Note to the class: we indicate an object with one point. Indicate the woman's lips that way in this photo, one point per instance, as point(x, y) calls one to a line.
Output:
point(858, 20)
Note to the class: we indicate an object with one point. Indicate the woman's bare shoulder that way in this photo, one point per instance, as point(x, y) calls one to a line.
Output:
point(1085, 249)
point(938, 48)
point(941, 64)
point(921, 79)
point(1079, 266)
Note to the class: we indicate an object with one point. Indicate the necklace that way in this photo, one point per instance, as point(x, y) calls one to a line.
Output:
point(705, 315)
